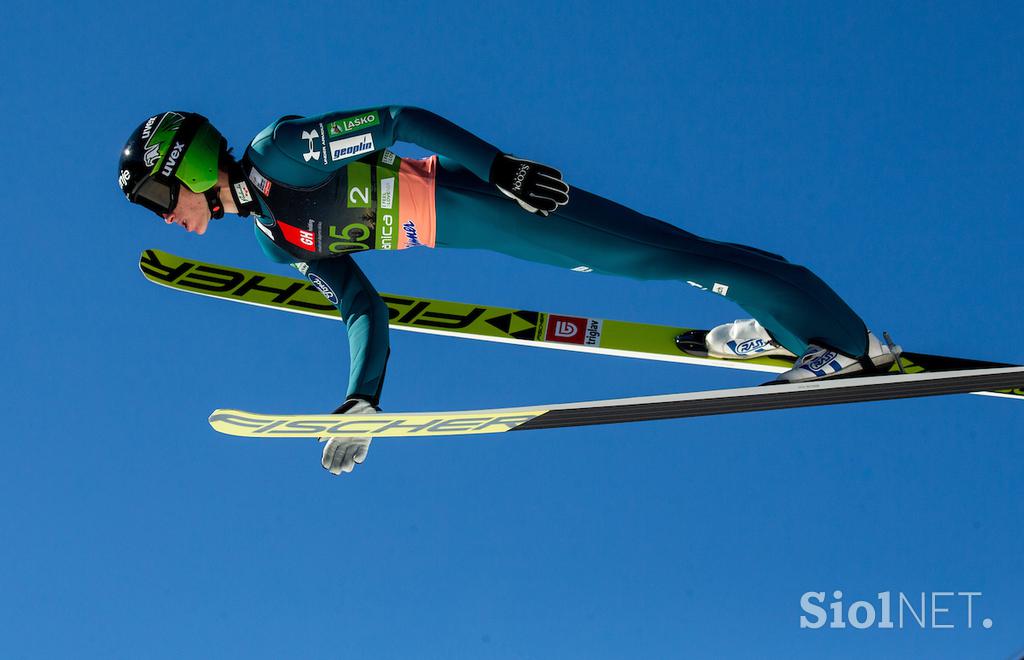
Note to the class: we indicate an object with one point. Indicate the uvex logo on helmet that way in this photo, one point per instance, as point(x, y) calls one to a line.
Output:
point(171, 163)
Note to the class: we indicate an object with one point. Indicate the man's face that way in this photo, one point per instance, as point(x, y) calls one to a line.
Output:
point(192, 212)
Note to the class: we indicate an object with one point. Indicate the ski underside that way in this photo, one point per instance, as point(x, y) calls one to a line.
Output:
point(923, 375)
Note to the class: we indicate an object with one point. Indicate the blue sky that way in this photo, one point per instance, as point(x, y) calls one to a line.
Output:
point(879, 145)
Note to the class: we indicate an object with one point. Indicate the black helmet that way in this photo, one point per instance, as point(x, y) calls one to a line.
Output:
point(168, 150)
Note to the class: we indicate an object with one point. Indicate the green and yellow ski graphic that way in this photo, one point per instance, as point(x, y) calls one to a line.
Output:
point(482, 322)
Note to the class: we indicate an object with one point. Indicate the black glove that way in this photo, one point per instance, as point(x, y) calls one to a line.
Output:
point(538, 188)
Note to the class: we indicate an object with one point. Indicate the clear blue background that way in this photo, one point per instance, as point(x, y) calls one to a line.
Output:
point(880, 145)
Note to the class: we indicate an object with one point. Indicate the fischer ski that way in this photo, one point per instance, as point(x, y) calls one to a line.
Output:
point(490, 323)
point(614, 411)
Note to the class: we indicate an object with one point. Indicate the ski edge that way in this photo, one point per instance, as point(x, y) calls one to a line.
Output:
point(609, 411)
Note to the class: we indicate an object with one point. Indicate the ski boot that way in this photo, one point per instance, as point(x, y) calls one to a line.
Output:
point(742, 339)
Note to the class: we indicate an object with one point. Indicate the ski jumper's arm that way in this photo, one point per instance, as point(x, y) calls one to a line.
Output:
point(364, 312)
point(305, 151)
point(312, 147)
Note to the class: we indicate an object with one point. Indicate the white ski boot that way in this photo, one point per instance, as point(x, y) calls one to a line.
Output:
point(818, 362)
point(742, 339)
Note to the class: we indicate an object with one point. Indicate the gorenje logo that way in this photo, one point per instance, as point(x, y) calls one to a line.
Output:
point(123, 179)
point(172, 160)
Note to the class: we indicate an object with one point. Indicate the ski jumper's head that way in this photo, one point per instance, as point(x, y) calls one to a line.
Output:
point(177, 164)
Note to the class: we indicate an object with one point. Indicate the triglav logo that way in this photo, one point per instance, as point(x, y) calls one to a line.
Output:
point(925, 610)
point(565, 329)
point(573, 330)
point(309, 137)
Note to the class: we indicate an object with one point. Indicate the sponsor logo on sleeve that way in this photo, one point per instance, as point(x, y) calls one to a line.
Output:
point(301, 266)
point(298, 237)
point(720, 289)
point(350, 124)
point(573, 330)
point(583, 269)
point(260, 181)
point(242, 192)
point(313, 153)
point(351, 146)
point(324, 288)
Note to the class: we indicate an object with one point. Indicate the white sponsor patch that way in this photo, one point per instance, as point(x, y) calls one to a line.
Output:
point(242, 192)
point(388, 158)
point(720, 289)
point(593, 332)
point(259, 181)
point(583, 269)
point(325, 288)
point(351, 146)
point(301, 266)
point(387, 192)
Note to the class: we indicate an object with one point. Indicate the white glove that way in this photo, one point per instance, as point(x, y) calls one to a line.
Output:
point(342, 452)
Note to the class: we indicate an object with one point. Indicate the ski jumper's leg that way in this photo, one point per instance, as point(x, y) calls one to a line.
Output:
point(790, 301)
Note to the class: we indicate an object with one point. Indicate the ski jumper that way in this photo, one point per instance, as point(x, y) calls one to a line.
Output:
point(328, 187)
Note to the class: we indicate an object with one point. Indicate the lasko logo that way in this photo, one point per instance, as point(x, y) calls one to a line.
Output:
point(573, 330)
point(123, 179)
point(352, 146)
point(325, 288)
point(349, 124)
point(309, 137)
point(172, 160)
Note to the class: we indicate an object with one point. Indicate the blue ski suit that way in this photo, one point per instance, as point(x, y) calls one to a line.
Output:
point(327, 187)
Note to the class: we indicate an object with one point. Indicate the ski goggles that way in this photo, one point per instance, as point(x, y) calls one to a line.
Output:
point(158, 194)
